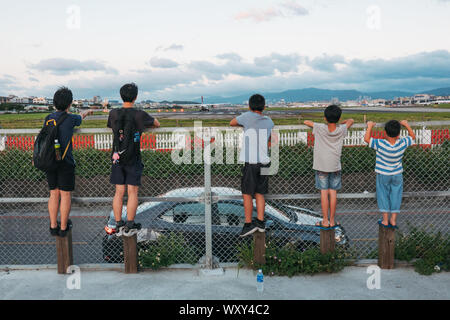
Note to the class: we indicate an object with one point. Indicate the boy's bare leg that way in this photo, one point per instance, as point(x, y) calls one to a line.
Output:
point(118, 201)
point(393, 219)
point(325, 205)
point(64, 207)
point(385, 220)
point(333, 203)
point(260, 205)
point(248, 207)
point(53, 206)
point(132, 202)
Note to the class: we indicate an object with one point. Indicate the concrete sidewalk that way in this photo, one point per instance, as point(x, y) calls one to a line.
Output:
point(400, 283)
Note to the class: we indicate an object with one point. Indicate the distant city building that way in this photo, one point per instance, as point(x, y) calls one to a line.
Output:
point(40, 100)
point(21, 100)
point(422, 98)
point(97, 99)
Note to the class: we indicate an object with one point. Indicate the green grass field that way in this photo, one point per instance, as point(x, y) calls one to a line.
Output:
point(36, 120)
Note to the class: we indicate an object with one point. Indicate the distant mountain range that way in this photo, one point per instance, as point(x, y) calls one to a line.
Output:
point(314, 94)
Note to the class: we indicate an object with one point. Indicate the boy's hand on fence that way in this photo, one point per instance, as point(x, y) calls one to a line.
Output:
point(370, 125)
point(410, 130)
point(86, 113)
point(309, 123)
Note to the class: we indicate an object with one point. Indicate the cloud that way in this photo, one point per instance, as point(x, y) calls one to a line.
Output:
point(62, 66)
point(229, 74)
point(8, 84)
point(260, 66)
point(229, 56)
point(284, 9)
point(174, 46)
point(326, 62)
point(295, 8)
point(163, 63)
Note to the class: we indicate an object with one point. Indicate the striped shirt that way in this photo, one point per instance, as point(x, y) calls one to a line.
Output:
point(389, 157)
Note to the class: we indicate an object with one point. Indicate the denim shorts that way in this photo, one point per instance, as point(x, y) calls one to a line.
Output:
point(389, 192)
point(328, 180)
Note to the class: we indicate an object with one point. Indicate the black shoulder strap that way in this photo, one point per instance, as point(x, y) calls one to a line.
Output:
point(62, 118)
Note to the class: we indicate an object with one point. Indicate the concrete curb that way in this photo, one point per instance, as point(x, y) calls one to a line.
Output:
point(120, 267)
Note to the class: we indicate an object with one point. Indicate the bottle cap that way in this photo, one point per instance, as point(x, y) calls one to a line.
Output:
point(260, 270)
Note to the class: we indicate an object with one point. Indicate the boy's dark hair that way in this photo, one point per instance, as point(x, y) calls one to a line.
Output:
point(129, 92)
point(392, 128)
point(333, 113)
point(62, 99)
point(257, 102)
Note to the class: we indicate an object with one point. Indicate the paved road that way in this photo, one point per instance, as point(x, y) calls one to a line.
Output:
point(24, 236)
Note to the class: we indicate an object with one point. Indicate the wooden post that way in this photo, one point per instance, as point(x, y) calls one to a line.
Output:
point(64, 252)
point(259, 252)
point(386, 247)
point(130, 255)
point(327, 241)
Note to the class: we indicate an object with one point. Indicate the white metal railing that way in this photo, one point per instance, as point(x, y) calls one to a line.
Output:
point(171, 138)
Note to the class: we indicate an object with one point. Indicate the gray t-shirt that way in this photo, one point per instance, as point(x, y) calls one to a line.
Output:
point(257, 130)
point(328, 147)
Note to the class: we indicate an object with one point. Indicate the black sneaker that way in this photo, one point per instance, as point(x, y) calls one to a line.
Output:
point(260, 225)
point(55, 231)
point(248, 229)
point(120, 225)
point(131, 228)
point(63, 233)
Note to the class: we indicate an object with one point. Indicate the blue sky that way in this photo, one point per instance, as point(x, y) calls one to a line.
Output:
point(177, 49)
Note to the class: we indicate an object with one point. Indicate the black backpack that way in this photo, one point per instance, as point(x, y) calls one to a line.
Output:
point(44, 157)
point(126, 141)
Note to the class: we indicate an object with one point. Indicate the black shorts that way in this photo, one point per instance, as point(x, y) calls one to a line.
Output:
point(128, 174)
point(62, 178)
point(252, 180)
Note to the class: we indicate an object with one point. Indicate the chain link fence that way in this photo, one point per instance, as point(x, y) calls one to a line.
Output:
point(193, 208)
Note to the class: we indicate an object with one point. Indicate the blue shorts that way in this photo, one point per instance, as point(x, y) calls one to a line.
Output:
point(389, 192)
point(328, 180)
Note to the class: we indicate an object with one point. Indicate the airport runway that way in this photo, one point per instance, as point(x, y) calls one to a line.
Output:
point(232, 112)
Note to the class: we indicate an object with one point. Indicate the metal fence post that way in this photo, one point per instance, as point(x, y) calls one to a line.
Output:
point(208, 220)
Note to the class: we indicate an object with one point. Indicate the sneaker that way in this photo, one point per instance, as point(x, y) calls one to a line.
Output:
point(55, 231)
point(261, 225)
point(63, 233)
point(131, 228)
point(248, 229)
point(120, 225)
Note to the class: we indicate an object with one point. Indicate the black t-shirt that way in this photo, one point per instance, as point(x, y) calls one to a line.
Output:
point(142, 118)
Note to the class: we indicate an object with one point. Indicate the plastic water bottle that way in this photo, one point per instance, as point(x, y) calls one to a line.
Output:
point(260, 281)
point(57, 150)
point(136, 137)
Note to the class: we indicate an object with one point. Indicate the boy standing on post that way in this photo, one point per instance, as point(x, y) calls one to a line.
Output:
point(61, 181)
point(127, 124)
point(328, 141)
point(389, 169)
point(254, 153)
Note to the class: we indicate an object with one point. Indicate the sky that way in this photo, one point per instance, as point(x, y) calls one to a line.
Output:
point(176, 49)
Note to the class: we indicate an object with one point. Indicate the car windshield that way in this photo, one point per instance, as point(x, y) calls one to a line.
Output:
point(277, 213)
